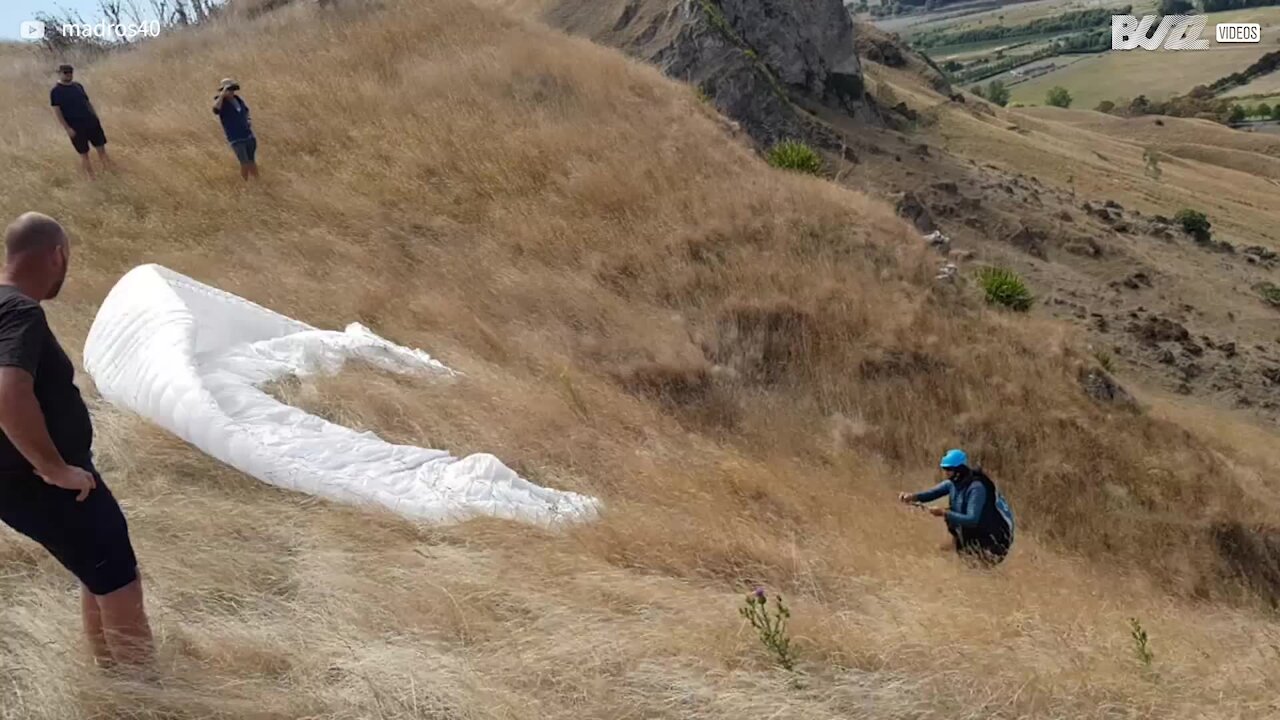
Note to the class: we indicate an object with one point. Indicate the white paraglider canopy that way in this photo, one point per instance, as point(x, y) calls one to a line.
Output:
point(191, 358)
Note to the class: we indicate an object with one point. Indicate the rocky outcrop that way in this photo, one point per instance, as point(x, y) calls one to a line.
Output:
point(889, 50)
point(750, 58)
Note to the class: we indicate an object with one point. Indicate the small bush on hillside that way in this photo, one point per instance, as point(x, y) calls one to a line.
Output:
point(1194, 223)
point(1271, 293)
point(770, 626)
point(1003, 287)
point(1058, 96)
point(795, 155)
point(1105, 106)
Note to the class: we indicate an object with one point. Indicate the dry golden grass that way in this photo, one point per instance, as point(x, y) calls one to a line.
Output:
point(578, 235)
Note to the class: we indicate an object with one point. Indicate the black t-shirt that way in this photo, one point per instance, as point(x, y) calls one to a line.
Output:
point(73, 100)
point(26, 341)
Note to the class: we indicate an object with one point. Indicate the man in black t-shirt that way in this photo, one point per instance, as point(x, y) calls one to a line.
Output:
point(78, 117)
point(49, 488)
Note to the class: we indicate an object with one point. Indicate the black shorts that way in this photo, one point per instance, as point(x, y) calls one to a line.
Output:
point(89, 538)
point(88, 132)
point(245, 150)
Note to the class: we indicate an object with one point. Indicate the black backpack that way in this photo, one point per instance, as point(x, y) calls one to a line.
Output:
point(996, 522)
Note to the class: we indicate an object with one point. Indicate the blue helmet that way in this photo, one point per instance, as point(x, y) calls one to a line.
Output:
point(954, 459)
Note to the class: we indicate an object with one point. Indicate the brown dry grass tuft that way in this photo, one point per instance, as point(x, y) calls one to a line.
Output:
point(744, 364)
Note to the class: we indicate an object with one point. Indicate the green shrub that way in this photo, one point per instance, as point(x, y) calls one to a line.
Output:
point(998, 93)
point(1058, 96)
point(1194, 223)
point(1271, 293)
point(795, 155)
point(1004, 287)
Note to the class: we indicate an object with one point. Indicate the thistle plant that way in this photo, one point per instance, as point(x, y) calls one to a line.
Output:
point(771, 626)
point(1141, 648)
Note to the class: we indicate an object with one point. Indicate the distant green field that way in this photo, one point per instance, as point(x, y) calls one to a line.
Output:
point(1158, 74)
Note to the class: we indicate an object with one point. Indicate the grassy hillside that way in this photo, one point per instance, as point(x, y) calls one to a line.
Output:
point(744, 364)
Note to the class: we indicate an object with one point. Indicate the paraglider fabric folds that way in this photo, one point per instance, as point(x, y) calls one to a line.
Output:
point(191, 358)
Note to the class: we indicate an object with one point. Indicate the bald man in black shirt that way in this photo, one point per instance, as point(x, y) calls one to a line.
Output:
point(49, 488)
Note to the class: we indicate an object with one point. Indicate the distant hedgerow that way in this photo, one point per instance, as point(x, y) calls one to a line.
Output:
point(795, 155)
point(1004, 287)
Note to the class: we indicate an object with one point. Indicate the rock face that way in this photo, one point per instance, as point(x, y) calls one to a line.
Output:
point(749, 57)
point(806, 43)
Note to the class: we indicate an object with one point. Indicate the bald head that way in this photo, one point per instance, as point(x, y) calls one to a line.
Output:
point(32, 232)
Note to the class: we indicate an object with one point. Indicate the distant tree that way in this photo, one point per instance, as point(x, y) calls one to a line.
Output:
point(1237, 114)
point(951, 66)
point(1058, 96)
point(1175, 7)
point(1105, 106)
point(998, 93)
point(977, 90)
point(1139, 105)
point(1275, 111)
point(1263, 111)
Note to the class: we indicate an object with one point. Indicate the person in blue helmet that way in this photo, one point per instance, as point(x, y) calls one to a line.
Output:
point(979, 519)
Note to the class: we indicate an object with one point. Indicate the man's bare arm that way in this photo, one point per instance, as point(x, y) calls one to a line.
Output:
point(23, 422)
point(57, 112)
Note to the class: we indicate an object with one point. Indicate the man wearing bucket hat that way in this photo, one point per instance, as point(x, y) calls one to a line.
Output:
point(232, 110)
point(979, 518)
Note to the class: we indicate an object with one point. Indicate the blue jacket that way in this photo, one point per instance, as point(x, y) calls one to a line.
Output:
point(966, 505)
